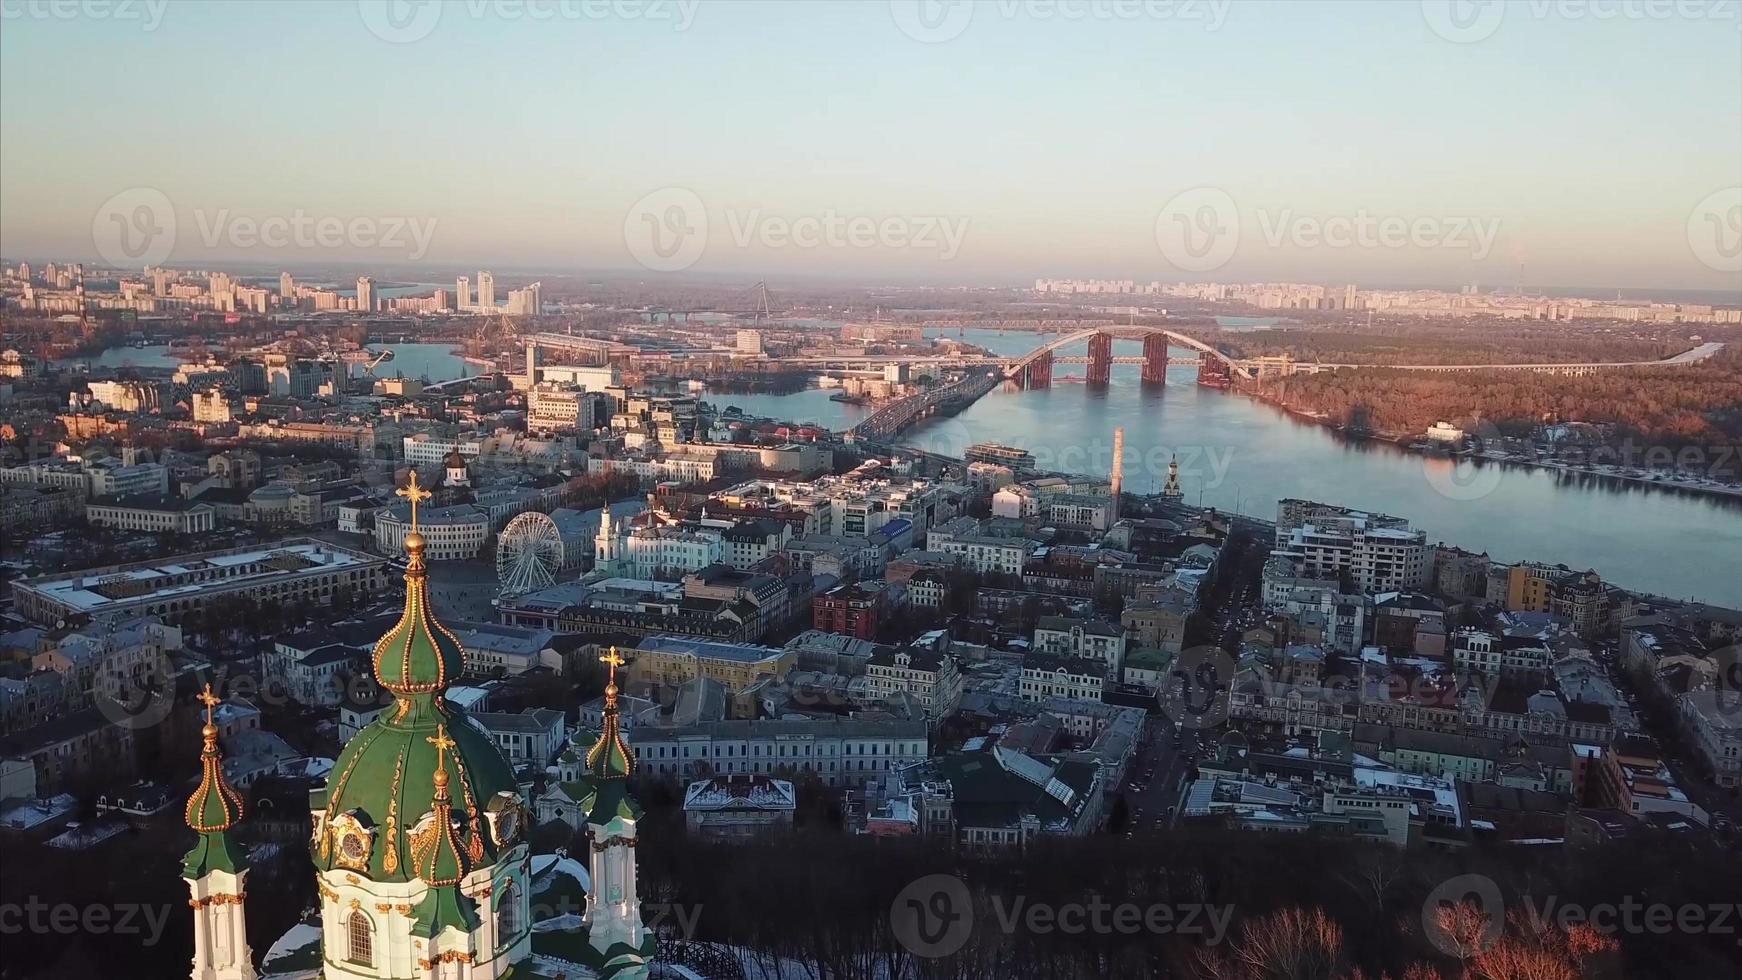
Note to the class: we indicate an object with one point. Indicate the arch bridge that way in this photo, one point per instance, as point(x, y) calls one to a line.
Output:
point(1215, 369)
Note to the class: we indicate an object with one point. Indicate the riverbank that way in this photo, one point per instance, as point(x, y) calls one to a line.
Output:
point(1654, 477)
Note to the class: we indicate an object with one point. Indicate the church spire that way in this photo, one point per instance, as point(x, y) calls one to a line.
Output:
point(215, 807)
point(216, 870)
point(438, 856)
point(610, 758)
point(419, 655)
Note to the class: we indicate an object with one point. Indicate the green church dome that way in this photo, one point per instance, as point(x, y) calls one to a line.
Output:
point(384, 796)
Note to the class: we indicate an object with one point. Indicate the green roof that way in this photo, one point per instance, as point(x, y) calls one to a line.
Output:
point(384, 778)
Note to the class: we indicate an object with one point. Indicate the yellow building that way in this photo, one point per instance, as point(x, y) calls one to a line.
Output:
point(674, 660)
point(1530, 587)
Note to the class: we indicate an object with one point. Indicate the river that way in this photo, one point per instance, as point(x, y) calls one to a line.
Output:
point(1236, 453)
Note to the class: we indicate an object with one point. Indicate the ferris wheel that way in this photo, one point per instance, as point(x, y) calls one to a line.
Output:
point(528, 553)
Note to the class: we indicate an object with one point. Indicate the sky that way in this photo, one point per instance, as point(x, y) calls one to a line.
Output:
point(1585, 144)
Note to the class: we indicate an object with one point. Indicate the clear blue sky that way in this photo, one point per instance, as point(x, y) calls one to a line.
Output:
point(1591, 142)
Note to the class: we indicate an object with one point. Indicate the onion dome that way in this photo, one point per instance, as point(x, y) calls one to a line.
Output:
point(438, 855)
point(610, 763)
point(418, 655)
point(610, 758)
point(387, 779)
point(215, 808)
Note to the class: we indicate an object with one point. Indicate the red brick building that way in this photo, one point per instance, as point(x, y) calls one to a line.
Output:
point(855, 610)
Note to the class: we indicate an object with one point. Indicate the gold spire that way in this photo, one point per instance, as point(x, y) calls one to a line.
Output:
point(615, 660)
point(436, 852)
point(215, 805)
point(610, 756)
point(442, 743)
point(413, 538)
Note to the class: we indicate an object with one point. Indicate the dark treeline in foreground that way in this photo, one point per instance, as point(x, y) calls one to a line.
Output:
point(1295, 907)
point(1697, 405)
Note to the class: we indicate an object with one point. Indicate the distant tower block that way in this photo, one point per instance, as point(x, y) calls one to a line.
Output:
point(1155, 359)
point(1118, 468)
point(1100, 358)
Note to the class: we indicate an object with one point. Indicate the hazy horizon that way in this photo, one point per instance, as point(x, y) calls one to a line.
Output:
point(927, 143)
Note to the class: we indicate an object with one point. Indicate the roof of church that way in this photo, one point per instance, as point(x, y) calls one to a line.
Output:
point(412, 787)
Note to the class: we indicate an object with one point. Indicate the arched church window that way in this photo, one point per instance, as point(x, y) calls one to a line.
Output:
point(360, 938)
point(508, 916)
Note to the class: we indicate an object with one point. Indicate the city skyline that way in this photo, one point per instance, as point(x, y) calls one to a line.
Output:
point(931, 150)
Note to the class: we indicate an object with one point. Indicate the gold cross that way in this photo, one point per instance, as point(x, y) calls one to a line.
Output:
point(442, 743)
point(210, 700)
point(613, 658)
point(412, 493)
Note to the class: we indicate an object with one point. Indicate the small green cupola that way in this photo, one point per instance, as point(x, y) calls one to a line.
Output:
point(214, 809)
point(419, 655)
point(438, 857)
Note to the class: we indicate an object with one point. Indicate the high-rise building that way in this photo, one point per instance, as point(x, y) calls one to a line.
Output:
point(486, 290)
point(286, 287)
point(462, 293)
point(524, 302)
point(365, 294)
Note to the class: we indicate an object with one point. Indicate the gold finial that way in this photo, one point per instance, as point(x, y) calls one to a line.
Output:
point(442, 743)
point(614, 660)
point(415, 494)
point(211, 701)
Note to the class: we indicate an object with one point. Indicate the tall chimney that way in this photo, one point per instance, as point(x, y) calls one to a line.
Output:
point(1118, 467)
